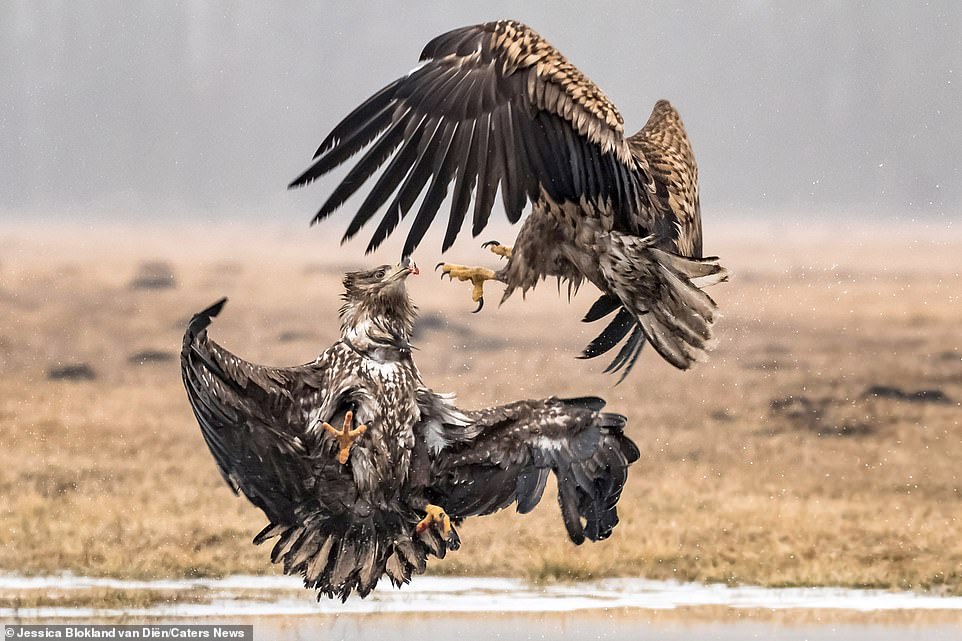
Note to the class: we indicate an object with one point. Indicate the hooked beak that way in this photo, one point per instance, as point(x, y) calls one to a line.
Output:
point(408, 263)
point(405, 268)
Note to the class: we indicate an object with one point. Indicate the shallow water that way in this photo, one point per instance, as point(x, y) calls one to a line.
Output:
point(475, 609)
point(284, 596)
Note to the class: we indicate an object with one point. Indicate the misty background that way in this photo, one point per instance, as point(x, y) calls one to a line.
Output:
point(154, 109)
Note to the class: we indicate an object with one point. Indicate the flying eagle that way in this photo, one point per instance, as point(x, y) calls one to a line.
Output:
point(494, 107)
point(362, 470)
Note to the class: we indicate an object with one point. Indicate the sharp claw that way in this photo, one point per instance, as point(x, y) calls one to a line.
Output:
point(480, 305)
point(438, 266)
point(489, 243)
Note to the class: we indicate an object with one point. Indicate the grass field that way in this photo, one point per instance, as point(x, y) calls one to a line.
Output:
point(801, 454)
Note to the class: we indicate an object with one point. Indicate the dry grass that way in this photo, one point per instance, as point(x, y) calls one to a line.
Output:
point(769, 465)
point(103, 598)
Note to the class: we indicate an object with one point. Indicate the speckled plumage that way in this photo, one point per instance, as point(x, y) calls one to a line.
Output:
point(341, 527)
point(495, 108)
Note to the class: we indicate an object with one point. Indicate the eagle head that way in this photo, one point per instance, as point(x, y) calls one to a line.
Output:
point(377, 299)
point(383, 281)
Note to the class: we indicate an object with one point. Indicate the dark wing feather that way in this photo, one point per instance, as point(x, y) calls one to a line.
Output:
point(251, 422)
point(502, 455)
point(491, 107)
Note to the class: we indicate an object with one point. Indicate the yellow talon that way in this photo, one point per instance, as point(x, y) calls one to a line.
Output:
point(435, 514)
point(498, 249)
point(477, 276)
point(345, 436)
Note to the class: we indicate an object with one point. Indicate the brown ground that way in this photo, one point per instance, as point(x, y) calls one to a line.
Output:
point(769, 465)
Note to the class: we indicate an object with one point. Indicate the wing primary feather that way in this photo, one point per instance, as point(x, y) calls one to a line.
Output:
point(374, 158)
point(360, 115)
point(409, 189)
point(463, 186)
point(389, 180)
point(484, 198)
point(443, 168)
point(488, 191)
point(512, 195)
point(347, 147)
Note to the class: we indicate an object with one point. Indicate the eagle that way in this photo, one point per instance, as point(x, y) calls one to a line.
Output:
point(494, 107)
point(363, 471)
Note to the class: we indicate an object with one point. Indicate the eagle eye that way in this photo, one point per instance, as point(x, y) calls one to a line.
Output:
point(379, 274)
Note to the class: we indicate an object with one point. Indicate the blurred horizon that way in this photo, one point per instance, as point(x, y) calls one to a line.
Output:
point(165, 110)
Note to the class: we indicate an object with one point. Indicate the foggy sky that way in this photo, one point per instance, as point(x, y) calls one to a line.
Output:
point(155, 108)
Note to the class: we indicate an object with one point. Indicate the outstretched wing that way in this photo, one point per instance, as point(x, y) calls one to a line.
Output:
point(665, 145)
point(255, 424)
point(503, 455)
point(490, 106)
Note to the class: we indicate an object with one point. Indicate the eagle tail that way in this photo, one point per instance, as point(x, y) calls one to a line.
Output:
point(347, 552)
point(661, 301)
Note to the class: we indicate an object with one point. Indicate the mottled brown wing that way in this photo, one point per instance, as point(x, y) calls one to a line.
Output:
point(665, 145)
point(503, 455)
point(256, 428)
point(490, 106)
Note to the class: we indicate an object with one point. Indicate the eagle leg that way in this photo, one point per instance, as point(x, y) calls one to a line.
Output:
point(346, 436)
point(498, 249)
point(434, 515)
point(477, 276)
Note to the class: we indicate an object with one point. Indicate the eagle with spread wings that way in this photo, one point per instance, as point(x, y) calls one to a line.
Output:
point(494, 107)
point(364, 471)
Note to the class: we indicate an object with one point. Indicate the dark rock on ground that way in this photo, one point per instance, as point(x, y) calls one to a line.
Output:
point(154, 275)
point(899, 394)
point(71, 372)
point(151, 356)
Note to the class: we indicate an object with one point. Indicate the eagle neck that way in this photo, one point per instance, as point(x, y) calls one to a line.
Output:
point(381, 331)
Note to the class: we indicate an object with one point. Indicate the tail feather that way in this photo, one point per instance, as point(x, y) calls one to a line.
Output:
point(661, 296)
point(345, 553)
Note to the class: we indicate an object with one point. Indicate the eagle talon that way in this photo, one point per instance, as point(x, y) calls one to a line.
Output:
point(498, 249)
point(477, 276)
point(435, 514)
point(346, 436)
